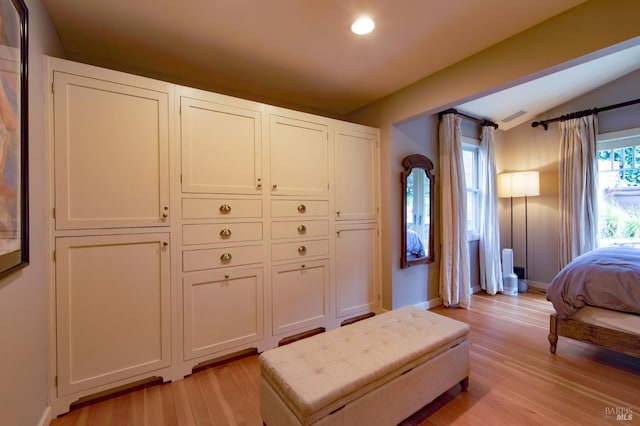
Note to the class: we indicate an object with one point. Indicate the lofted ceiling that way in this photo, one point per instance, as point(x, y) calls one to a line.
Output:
point(301, 52)
point(523, 102)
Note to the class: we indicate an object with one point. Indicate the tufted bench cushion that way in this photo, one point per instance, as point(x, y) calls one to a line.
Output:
point(319, 375)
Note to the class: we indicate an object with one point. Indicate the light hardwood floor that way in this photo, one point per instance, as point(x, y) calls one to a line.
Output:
point(514, 380)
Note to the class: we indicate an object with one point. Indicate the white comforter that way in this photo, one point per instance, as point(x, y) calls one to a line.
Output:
point(606, 278)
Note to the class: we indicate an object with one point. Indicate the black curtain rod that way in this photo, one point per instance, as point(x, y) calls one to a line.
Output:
point(480, 121)
point(545, 123)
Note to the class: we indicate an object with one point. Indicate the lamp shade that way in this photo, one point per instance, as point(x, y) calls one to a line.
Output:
point(519, 184)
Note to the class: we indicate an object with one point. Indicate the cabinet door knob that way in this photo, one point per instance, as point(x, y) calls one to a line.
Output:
point(225, 208)
point(226, 276)
point(274, 187)
point(302, 250)
point(165, 244)
point(302, 208)
point(226, 257)
point(259, 185)
point(302, 229)
point(225, 233)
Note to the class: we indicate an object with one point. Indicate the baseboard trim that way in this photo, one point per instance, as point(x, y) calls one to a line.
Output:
point(45, 419)
point(432, 303)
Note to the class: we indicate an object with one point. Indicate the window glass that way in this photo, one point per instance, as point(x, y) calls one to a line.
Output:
point(470, 158)
point(619, 190)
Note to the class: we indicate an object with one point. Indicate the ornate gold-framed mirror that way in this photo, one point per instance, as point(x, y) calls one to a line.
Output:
point(418, 219)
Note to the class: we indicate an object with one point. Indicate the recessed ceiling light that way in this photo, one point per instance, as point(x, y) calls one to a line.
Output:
point(363, 25)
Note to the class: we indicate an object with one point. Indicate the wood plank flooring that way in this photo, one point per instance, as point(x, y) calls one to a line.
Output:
point(514, 380)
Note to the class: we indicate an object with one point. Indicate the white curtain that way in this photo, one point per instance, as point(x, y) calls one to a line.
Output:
point(454, 257)
point(490, 270)
point(578, 188)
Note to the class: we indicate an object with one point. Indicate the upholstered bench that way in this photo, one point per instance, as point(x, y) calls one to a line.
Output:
point(376, 371)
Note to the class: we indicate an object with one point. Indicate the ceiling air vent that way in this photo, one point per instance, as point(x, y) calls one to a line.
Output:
point(513, 116)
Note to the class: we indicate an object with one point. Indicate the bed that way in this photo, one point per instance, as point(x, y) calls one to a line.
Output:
point(597, 300)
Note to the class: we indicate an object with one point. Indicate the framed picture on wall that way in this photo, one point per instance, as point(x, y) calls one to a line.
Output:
point(14, 212)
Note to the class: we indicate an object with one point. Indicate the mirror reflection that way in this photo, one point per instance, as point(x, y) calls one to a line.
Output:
point(417, 226)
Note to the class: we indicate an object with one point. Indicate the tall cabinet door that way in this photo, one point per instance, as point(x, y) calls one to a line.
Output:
point(299, 153)
point(111, 154)
point(357, 276)
point(356, 174)
point(221, 148)
point(113, 308)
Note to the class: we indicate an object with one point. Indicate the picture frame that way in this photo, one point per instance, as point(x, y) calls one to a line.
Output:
point(14, 112)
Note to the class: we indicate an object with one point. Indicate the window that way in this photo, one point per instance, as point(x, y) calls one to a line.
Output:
point(471, 159)
point(619, 188)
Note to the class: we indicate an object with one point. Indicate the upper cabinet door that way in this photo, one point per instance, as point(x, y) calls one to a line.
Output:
point(221, 148)
point(356, 174)
point(298, 157)
point(111, 153)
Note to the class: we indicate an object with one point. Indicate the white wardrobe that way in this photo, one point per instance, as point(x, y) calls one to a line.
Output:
point(188, 226)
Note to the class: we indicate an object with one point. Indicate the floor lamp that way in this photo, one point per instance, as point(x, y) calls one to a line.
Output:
point(520, 184)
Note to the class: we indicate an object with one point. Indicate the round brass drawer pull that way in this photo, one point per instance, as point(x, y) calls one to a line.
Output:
point(302, 208)
point(226, 257)
point(225, 208)
point(225, 233)
point(302, 229)
point(302, 250)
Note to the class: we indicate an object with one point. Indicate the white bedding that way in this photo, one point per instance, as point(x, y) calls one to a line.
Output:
point(606, 278)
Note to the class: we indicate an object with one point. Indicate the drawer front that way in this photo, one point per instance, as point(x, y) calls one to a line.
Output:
point(299, 208)
point(210, 233)
point(299, 249)
point(299, 228)
point(220, 208)
point(198, 260)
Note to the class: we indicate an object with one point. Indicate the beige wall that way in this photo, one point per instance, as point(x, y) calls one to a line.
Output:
point(579, 32)
point(23, 295)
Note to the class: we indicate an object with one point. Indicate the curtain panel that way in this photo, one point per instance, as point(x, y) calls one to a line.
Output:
point(490, 268)
point(454, 258)
point(578, 188)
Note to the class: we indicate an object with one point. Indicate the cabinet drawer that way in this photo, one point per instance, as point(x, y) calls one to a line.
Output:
point(198, 260)
point(220, 208)
point(210, 233)
point(299, 249)
point(299, 228)
point(299, 208)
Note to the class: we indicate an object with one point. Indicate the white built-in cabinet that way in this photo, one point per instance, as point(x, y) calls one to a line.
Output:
point(300, 292)
point(357, 233)
point(111, 233)
point(356, 173)
point(214, 138)
point(356, 282)
point(112, 316)
point(298, 156)
point(222, 226)
point(188, 226)
point(111, 153)
point(223, 309)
